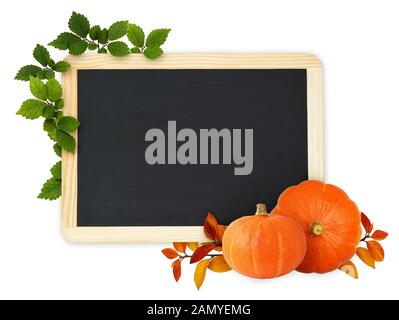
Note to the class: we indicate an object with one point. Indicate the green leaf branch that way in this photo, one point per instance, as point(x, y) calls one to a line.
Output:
point(47, 101)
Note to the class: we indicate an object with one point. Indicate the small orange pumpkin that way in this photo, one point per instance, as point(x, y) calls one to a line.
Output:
point(331, 222)
point(264, 245)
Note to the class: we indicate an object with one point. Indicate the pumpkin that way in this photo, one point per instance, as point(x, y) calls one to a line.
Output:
point(264, 245)
point(331, 222)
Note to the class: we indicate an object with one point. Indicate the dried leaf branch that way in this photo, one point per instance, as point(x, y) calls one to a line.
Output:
point(212, 251)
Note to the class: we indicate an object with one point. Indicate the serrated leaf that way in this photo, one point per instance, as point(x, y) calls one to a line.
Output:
point(103, 36)
point(41, 74)
point(135, 35)
point(41, 55)
point(118, 49)
point(56, 170)
point(27, 71)
point(48, 112)
point(77, 47)
point(67, 40)
point(180, 246)
point(59, 115)
point(38, 88)
point(49, 125)
point(366, 257)
point(51, 189)
point(379, 235)
point(201, 252)
point(176, 267)
point(54, 90)
point(117, 30)
point(68, 124)
point(200, 272)
point(153, 53)
point(57, 149)
point(94, 32)
point(218, 264)
point(170, 253)
point(135, 50)
point(79, 24)
point(92, 46)
point(65, 140)
point(59, 104)
point(50, 74)
point(157, 37)
point(31, 109)
point(376, 250)
point(350, 269)
point(61, 66)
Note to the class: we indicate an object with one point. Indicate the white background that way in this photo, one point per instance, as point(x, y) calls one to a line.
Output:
point(358, 44)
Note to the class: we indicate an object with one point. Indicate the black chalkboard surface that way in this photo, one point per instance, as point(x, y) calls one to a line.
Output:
point(119, 186)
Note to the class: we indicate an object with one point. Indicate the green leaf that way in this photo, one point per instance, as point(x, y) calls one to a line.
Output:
point(135, 35)
point(65, 140)
point(103, 50)
point(135, 50)
point(117, 30)
point(49, 125)
point(92, 46)
point(157, 37)
point(153, 52)
point(62, 41)
point(31, 109)
point(38, 88)
point(59, 104)
point(48, 112)
point(68, 124)
point(51, 189)
point(94, 32)
point(41, 74)
point(56, 170)
point(103, 36)
point(52, 135)
point(67, 40)
point(79, 24)
point(41, 55)
point(77, 47)
point(54, 90)
point(27, 71)
point(59, 115)
point(50, 74)
point(51, 63)
point(61, 66)
point(118, 49)
point(57, 149)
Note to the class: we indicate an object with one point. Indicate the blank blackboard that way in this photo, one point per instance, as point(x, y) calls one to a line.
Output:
point(118, 187)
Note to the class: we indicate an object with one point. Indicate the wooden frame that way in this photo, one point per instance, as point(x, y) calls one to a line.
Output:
point(180, 61)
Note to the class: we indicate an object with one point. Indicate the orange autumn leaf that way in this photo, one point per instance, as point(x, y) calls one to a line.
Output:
point(170, 253)
point(201, 252)
point(220, 232)
point(210, 227)
point(218, 248)
point(367, 225)
point(379, 235)
point(193, 246)
point(200, 272)
point(366, 257)
point(376, 250)
point(218, 264)
point(176, 266)
point(180, 246)
point(350, 269)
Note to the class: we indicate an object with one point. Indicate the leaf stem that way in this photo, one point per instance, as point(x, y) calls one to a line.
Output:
point(367, 236)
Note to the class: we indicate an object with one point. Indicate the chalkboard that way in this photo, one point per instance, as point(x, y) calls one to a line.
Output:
point(161, 147)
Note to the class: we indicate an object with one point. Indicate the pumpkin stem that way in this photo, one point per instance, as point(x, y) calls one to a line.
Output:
point(316, 228)
point(261, 209)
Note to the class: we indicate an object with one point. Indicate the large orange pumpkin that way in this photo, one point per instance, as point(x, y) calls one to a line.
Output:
point(330, 220)
point(264, 245)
